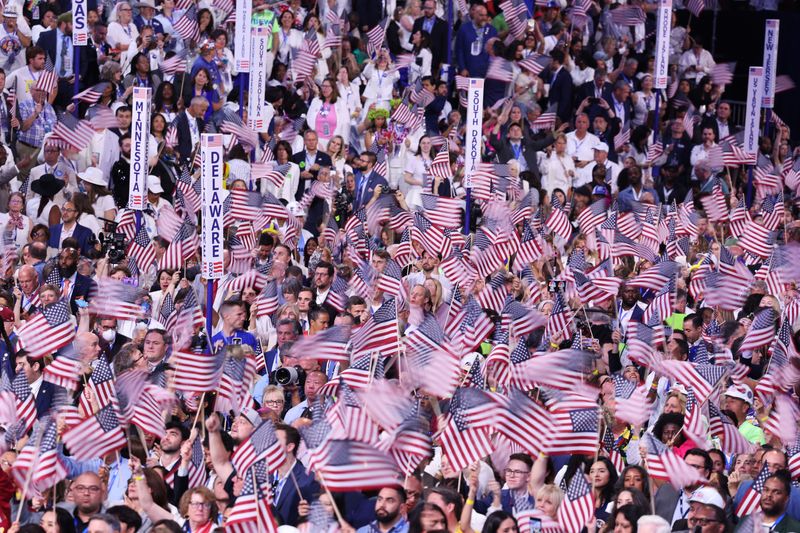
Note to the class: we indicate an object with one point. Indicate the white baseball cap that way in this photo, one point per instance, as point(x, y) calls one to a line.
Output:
point(707, 496)
point(296, 210)
point(741, 392)
point(154, 184)
point(603, 147)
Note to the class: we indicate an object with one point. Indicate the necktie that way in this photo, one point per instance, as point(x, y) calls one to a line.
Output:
point(64, 52)
point(65, 290)
point(363, 189)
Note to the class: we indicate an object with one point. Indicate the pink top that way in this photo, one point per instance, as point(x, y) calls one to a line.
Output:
point(326, 121)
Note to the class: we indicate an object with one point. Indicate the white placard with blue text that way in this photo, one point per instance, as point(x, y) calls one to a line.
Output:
point(752, 117)
point(212, 167)
point(663, 29)
point(80, 24)
point(241, 37)
point(770, 64)
point(256, 110)
point(140, 136)
point(472, 155)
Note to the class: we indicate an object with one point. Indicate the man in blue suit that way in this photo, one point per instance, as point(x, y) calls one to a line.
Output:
point(290, 477)
point(43, 391)
point(69, 227)
point(367, 180)
point(561, 87)
point(472, 59)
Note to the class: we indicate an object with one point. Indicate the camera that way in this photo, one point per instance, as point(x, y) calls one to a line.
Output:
point(388, 190)
point(291, 375)
point(112, 242)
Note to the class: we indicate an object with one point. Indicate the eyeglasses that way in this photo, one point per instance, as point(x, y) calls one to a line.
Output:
point(702, 521)
point(94, 489)
point(200, 505)
point(510, 472)
point(274, 402)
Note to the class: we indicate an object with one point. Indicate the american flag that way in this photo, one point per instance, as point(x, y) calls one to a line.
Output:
point(663, 303)
point(350, 420)
point(379, 332)
point(558, 221)
point(268, 299)
point(263, 445)
point(234, 385)
point(535, 63)
point(333, 36)
point(174, 64)
point(242, 132)
point(522, 319)
point(627, 15)
point(696, 7)
point(500, 69)
point(516, 14)
point(197, 465)
point(722, 73)
point(575, 428)
point(47, 331)
point(187, 26)
point(577, 508)
point(77, 133)
point(23, 399)
point(427, 336)
point(761, 331)
point(92, 94)
point(545, 121)
point(196, 372)
point(752, 498)
point(48, 80)
point(664, 464)
point(757, 239)
point(461, 442)
point(783, 83)
point(440, 166)
point(141, 249)
point(655, 277)
point(654, 151)
point(101, 384)
point(353, 466)
point(375, 38)
point(252, 512)
point(39, 461)
point(702, 378)
point(116, 299)
point(724, 291)
point(560, 320)
point(720, 425)
point(470, 325)
point(328, 345)
point(104, 118)
point(622, 138)
point(96, 436)
point(515, 416)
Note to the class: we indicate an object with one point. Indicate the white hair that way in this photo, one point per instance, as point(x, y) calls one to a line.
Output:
point(652, 524)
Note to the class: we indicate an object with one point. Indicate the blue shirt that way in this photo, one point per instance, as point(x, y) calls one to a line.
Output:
point(467, 37)
point(243, 336)
point(62, 41)
point(43, 124)
point(400, 527)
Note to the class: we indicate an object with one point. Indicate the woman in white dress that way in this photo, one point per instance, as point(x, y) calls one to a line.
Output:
point(92, 182)
point(417, 168)
point(380, 82)
point(423, 58)
point(644, 101)
point(283, 152)
point(289, 38)
point(20, 225)
point(558, 169)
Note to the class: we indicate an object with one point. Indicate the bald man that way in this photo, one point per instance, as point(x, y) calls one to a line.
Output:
point(88, 494)
point(28, 289)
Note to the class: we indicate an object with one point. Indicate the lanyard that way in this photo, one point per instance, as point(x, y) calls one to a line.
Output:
point(778, 521)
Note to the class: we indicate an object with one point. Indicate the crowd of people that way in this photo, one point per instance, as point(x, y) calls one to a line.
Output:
point(599, 334)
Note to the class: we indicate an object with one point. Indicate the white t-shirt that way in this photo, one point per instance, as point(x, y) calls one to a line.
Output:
point(119, 35)
point(581, 148)
point(21, 81)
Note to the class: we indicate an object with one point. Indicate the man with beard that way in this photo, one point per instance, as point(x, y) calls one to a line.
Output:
point(774, 501)
point(88, 495)
point(74, 286)
point(168, 452)
point(388, 512)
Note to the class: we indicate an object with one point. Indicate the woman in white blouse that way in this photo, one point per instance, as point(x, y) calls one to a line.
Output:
point(122, 32)
point(417, 168)
point(289, 38)
point(336, 149)
point(558, 169)
point(423, 58)
point(312, 22)
point(380, 82)
point(644, 101)
point(328, 114)
point(20, 225)
point(92, 182)
point(283, 152)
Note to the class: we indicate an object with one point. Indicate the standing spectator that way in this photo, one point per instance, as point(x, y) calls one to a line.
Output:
point(471, 56)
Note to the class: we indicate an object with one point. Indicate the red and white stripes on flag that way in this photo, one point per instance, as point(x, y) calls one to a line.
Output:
point(577, 508)
point(96, 436)
point(48, 330)
point(722, 73)
point(666, 465)
point(375, 38)
point(752, 498)
point(353, 466)
point(696, 7)
point(196, 372)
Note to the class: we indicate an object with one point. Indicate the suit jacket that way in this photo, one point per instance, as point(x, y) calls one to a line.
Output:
point(185, 148)
point(89, 70)
point(505, 152)
point(438, 41)
point(44, 400)
point(665, 501)
point(84, 289)
point(373, 180)
point(81, 233)
point(678, 193)
point(627, 105)
point(111, 350)
point(586, 90)
point(288, 499)
point(560, 94)
point(322, 159)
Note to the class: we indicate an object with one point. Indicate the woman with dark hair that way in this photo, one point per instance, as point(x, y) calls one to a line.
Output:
point(57, 520)
point(634, 477)
point(140, 73)
point(223, 58)
point(602, 478)
point(202, 85)
point(158, 127)
point(632, 496)
point(417, 167)
point(327, 114)
point(668, 430)
point(500, 522)
point(423, 58)
point(624, 519)
point(205, 22)
point(165, 101)
point(426, 517)
point(283, 151)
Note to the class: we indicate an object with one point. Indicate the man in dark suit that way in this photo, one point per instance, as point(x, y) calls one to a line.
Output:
point(43, 391)
point(595, 91)
point(560, 87)
point(69, 227)
point(669, 189)
point(290, 477)
point(367, 180)
point(673, 505)
point(620, 107)
point(74, 285)
point(515, 146)
point(437, 29)
point(309, 160)
point(57, 44)
point(190, 125)
point(111, 340)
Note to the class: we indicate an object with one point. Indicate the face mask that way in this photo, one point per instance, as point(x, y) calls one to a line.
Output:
point(109, 335)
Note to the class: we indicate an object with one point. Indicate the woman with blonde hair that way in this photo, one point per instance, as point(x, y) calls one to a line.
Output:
point(337, 149)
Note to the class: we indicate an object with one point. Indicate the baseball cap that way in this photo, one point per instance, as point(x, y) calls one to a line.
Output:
point(295, 209)
point(601, 146)
point(740, 392)
point(154, 184)
point(251, 415)
point(707, 496)
point(6, 313)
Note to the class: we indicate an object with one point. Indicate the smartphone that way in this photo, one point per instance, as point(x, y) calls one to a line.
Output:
point(81, 303)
